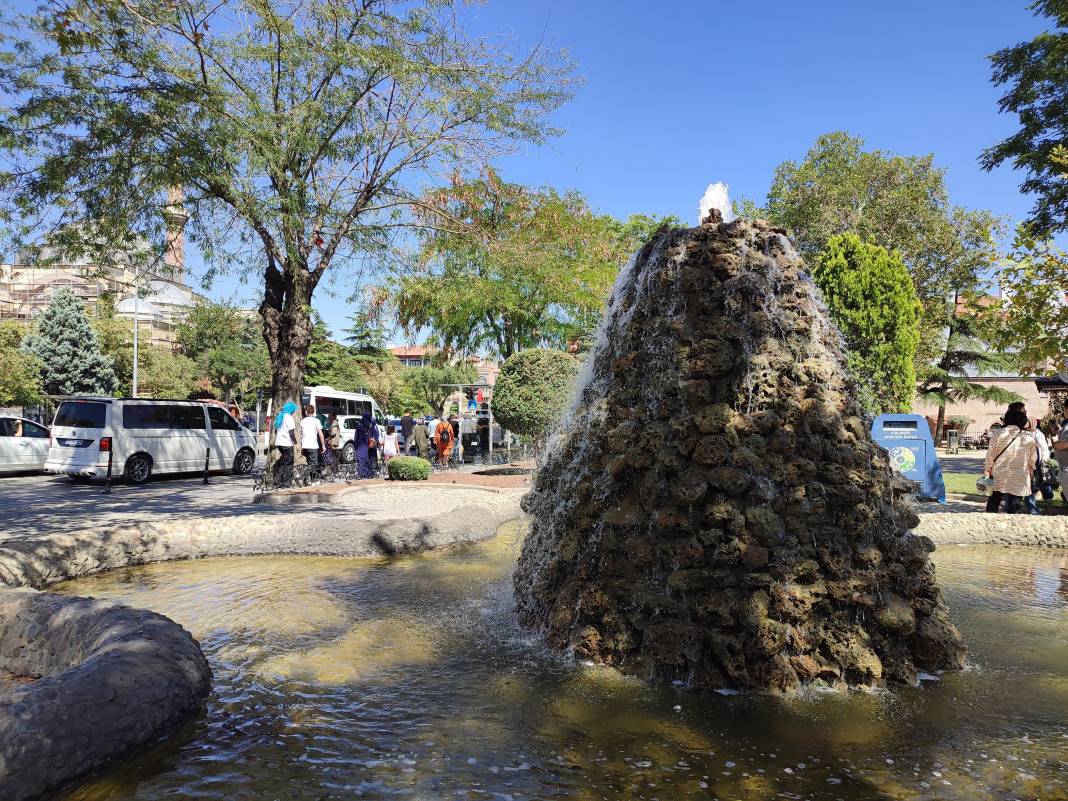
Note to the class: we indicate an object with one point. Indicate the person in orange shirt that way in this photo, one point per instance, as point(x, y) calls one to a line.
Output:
point(444, 440)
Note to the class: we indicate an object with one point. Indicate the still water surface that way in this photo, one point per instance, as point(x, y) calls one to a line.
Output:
point(349, 678)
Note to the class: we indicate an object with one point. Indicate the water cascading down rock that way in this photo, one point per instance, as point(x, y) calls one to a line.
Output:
point(713, 509)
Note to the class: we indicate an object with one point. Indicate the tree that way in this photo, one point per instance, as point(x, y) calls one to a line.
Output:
point(20, 372)
point(532, 391)
point(365, 337)
point(295, 130)
point(1035, 74)
point(504, 267)
point(964, 355)
point(227, 348)
point(429, 385)
point(1033, 317)
point(870, 296)
point(70, 356)
point(162, 373)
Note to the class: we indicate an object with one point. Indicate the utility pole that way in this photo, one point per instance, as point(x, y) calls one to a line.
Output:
point(137, 309)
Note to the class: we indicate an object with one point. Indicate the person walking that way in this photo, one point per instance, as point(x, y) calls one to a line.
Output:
point(1010, 461)
point(284, 426)
point(311, 441)
point(444, 441)
point(1060, 453)
point(432, 427)
point(390, 446)
point(421, 435)
point(407, 427)
point(365, 435)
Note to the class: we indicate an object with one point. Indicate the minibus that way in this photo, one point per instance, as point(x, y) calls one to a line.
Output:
point(145, 437)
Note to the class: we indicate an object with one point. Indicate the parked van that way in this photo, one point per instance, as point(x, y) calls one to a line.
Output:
point(145, 437)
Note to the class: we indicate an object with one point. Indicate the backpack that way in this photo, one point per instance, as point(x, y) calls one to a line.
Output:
point(445, 437)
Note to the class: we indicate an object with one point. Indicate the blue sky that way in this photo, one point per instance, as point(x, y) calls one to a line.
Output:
point(682, 93)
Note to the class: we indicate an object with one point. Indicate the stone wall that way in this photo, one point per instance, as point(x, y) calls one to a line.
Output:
point(110, 679)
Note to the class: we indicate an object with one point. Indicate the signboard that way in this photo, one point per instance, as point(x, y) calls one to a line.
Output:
point(907, 439)
point(472, 406)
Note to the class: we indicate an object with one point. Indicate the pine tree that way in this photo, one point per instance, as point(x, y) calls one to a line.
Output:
point(66, 346)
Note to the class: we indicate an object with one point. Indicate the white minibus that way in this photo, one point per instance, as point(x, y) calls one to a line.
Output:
point(146, 437)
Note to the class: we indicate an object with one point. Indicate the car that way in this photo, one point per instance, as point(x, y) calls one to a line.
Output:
point(139, 437)
point(23, 445)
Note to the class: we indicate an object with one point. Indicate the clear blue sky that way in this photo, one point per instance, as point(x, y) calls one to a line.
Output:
point(682, 93)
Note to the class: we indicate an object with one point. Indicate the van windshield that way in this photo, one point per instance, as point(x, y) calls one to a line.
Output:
point(81, 414)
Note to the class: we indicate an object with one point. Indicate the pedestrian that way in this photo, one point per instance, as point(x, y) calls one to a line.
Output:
point(235, 412)
point(334, 427)
point(1010, 461)
point(284, 426)
point(432, 427)
point(407, 427)
point(421, 435)
point(1060, 452)
point(365, 436)
point(311, 441)
point(444, 441)
point(390, 446)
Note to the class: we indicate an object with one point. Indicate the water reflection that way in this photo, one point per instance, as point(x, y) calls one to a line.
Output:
point(342, 678)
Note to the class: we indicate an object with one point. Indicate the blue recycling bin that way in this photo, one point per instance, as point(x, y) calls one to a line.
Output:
point(907, 438)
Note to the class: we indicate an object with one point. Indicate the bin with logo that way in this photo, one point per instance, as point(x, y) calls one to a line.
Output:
point(908, 441)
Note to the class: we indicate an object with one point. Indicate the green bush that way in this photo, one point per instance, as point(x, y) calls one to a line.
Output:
point(408, 468)
point(532, 391)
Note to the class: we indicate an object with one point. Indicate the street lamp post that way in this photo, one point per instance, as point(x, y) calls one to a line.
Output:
point(137, 309)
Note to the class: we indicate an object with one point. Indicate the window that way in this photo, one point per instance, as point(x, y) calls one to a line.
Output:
point(187, 417)
point(149, 415)
point(7, 427)
point(221, 420)
point(81, 414)
point(33, 430)
point(350, 424)
point(326, 405)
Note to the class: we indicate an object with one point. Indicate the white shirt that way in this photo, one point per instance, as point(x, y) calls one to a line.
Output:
point(389, 445)
point(310, 429)
point(284, 435)
point(431, 426)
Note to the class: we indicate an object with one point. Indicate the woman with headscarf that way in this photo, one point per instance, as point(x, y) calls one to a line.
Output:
point(366, 436)
point(284, 426)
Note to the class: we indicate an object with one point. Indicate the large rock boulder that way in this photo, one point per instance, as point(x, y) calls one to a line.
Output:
point(713, 509)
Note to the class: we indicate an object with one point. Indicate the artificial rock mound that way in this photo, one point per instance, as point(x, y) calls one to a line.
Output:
point(713, 509)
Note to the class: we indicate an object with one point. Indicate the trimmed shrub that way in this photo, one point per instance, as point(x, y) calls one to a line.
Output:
point(408, 468)
point(532, 391)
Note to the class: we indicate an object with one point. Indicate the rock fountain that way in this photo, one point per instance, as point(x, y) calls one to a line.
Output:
point(713, 509)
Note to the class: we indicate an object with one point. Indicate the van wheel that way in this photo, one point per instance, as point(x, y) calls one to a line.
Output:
point(348, 453)
point(138, 468)
point(244, 462)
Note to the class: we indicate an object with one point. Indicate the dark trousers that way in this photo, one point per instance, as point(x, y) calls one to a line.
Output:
point(311, 455)
point(283, 469)
point(1013, 503)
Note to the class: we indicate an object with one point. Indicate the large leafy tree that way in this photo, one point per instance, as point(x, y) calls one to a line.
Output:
point(162, 373)
point(227, 348)
point(66, 347)
point(870, 296)
point(295, 130)
point(504, 267)
point(429, 386)
point(1033, 317)
point(20, 376)
point(898, 202)
point(1035, 76)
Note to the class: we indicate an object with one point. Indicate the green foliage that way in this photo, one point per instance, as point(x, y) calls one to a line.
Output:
point(505, 267)
point(296, 130)
point(162, 373)
point(365, 337)
point(408, 468)
point(20, 372)
point(532, 391)
point(1033, 322)
point(870, 297)
point(1035, 75)
point(227, 348)
point(67, 349)
point(426, 385)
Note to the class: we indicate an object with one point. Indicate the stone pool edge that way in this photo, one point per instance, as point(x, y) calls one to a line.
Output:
point(979, 528)
point(134, 676)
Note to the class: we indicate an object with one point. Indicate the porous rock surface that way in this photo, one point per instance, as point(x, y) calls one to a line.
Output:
point(109, 679)
point(713, 509)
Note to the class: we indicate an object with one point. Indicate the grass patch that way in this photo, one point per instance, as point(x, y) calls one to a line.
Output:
point(961, 482)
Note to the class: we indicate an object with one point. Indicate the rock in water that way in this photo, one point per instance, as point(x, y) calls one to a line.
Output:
point(713, 509)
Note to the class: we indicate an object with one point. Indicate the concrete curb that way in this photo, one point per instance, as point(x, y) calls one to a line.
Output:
point(283, 497)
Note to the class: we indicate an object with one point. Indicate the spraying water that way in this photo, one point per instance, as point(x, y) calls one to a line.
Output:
point(715, 197)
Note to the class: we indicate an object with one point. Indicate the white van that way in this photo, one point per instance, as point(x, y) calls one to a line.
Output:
point(145, 437)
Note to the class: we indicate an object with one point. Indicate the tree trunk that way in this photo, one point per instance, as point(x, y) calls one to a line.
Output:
point(941, 421)
point(287, 330)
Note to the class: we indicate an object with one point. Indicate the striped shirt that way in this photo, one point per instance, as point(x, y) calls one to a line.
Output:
point(1018, 456)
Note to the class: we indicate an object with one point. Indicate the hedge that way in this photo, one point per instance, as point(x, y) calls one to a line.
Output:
point(408, 468)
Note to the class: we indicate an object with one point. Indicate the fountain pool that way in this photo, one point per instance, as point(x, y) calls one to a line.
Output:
point(410, 678)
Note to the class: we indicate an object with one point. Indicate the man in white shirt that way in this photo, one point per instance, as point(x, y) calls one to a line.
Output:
point(311, 440)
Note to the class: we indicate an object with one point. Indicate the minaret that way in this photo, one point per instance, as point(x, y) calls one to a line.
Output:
point(174, 256)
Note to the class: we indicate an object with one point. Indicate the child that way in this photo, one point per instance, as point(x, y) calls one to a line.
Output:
point(390, 447)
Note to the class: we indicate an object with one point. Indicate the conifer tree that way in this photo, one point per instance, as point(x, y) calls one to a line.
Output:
point(66, 347)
